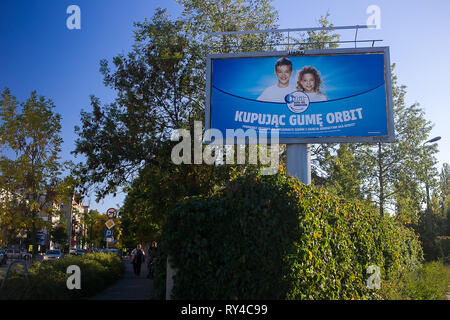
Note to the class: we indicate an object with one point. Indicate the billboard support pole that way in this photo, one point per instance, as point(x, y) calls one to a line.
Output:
point(299, 161)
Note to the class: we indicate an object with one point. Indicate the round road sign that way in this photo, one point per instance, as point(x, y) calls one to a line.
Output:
point(111, 213)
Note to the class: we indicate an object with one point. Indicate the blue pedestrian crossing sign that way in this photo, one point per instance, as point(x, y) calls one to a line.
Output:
point(108, 233)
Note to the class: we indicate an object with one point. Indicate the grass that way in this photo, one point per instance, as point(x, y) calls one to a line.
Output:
point(428, 282)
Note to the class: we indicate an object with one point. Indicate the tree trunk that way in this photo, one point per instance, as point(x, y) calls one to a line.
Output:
point(33, 238)
point(429, 217)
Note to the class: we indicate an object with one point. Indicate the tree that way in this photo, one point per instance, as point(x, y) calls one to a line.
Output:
point(389, 174)
point(444, 198)
point(204, 18)
point(99, 227)
point(30, 165)
point(90, 219)
point(160, 87)
point(444, 182)
point(59, 234)
point(344, 172)
point(404, 165)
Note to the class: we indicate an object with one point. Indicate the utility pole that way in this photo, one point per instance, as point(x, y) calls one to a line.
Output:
point(299, 161)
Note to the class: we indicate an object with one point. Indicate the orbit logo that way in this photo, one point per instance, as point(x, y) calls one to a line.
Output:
point(297, 101)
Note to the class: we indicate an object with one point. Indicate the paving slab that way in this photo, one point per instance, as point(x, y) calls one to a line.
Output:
point(130, 287)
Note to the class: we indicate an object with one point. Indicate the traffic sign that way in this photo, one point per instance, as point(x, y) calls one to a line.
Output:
point(111, 213)
point(108, 233)
point(110, 224)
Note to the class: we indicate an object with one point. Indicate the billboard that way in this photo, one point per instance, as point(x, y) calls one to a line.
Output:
point(313, 96)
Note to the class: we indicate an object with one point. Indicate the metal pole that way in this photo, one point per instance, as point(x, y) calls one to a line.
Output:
point(9, 267)
point(289, 47)
point(290, 30)
point(299, 161)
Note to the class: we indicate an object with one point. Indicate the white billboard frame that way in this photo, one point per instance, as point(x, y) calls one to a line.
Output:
point(390, 137)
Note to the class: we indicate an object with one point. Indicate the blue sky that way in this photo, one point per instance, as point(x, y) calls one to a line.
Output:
point(39, 53)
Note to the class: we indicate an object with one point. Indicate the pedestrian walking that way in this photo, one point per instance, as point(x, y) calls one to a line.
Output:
point(137, 259)
point(152, 259)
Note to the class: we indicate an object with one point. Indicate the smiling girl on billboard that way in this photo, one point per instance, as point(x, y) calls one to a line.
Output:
point(309, 81)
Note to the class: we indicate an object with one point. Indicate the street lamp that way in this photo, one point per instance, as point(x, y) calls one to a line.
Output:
point(427, 188)
point(433, 140)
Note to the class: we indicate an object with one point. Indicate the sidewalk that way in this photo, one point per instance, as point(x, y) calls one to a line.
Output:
point(130, 287)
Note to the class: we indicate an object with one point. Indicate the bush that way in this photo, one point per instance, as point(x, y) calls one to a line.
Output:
point(47, 279)
point(429, 282)
point(274, 238)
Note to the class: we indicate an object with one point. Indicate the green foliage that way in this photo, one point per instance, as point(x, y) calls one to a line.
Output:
point(59, 234)
point(344, 172)
point(443, 245)
point(96, 229)
point(391, 175)
point(323, 39)
point(30, 165)
point(157, 188)
point(48, 278)
point(160, 87)
point(203, 18)
point(161, 81)
point(95, 232)
point(429, 282)
point(272, 237)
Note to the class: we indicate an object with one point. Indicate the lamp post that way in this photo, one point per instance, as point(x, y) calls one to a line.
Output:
point(427, 188)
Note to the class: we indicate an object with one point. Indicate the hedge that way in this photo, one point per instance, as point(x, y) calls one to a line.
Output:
point(47, 279)
point(272, 237)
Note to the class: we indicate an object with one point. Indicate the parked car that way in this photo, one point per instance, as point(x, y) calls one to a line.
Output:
point(25, 255)
point(53, 255)
point(116, 251)
point(79, 252)
point(13, 254)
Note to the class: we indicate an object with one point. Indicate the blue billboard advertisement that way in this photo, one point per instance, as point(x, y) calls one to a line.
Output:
point(327, 96)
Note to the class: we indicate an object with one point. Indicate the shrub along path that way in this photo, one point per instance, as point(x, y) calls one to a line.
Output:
point(130, 287)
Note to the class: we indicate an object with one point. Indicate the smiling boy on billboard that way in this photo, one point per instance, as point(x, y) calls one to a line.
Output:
point(277, 92)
